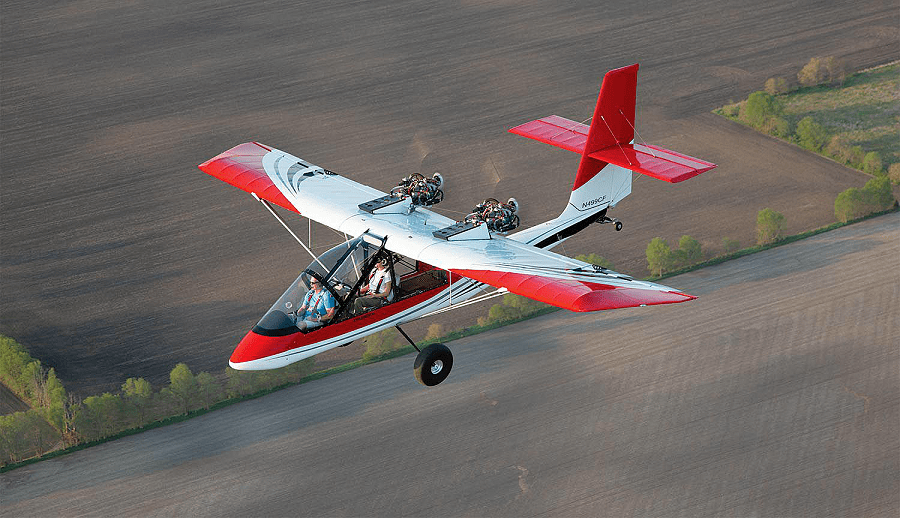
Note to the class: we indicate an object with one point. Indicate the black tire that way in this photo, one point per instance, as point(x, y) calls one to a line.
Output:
point(433, 364)
point(618, 226)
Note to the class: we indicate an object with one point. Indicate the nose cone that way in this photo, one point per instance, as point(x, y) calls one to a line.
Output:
point(257, 352)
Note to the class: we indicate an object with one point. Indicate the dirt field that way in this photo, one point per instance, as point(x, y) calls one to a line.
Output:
point(119, 258)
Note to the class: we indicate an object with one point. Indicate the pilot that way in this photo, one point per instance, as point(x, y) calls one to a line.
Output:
point(378, 292)
point(317, 309)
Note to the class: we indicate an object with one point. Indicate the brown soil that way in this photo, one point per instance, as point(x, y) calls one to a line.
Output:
point(119, 258)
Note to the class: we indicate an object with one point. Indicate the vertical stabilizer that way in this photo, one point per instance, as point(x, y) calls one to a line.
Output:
point(613, 120)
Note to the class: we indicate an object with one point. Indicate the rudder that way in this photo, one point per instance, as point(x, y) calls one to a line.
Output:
point(613, 120)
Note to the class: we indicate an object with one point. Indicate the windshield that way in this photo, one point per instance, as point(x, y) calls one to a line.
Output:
point(339, 267)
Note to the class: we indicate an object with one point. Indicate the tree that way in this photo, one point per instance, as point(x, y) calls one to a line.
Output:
point(13, 359)
point(298, 370)
point(659, 256)
point(30, 381)
point(779, 127)
point(56, 401)
point(759, 108)
point(182, 386)
point(691, 247)
point(894, 173)
point(38, 432)
point(435, 332)
point(813, 73)
point(70, 419)
point(810, 134)
point(138, 394)
point(839, 148)
point(857, 155)
point(239, 382)
point(879, 192)
point(856, 203)
point(872, 163)
point(849, 205)
point(13, 441)
point(99, 416)
point(381, 343)
point(836, 69)
point(776, 85)
point(511, 308)
point(209, 388)
point(770, 226)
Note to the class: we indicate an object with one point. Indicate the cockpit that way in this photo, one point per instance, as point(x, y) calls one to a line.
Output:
point(343, 271)
point(339, 270)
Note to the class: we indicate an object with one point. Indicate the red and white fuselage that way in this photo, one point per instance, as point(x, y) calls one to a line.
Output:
point(469, 260)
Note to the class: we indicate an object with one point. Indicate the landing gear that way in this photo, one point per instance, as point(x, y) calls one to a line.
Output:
point(433, 364)
point(604, 219)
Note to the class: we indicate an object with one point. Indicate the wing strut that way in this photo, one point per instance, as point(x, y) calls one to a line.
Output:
point(267, 205)
point(480, 298)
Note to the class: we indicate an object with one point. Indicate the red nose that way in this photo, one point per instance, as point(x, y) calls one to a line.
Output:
point(256, 346)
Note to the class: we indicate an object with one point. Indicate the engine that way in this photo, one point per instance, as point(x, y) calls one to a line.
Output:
point(421, 191)
point(499, 217)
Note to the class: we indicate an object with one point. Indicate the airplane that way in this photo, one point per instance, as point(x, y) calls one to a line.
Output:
point(436, 263)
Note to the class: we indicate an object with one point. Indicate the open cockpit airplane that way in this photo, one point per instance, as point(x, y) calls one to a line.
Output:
point(406, 262)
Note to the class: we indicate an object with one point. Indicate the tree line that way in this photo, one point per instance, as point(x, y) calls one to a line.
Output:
point(764, 111)
point(57, 419)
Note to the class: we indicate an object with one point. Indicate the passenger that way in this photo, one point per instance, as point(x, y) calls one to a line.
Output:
point(378, 292)
point(317, 309)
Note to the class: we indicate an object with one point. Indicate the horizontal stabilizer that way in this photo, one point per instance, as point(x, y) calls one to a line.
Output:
point(556, 131)
point(660, 163)
point(654, 161)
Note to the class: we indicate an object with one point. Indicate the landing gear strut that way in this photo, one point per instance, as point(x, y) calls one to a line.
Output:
point(606, 219)
point(432, 364)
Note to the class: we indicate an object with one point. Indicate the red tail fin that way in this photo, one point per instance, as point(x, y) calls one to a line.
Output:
point(613, 121)
point(608, 139)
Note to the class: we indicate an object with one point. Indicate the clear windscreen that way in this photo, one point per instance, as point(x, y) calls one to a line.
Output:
point(340, 267)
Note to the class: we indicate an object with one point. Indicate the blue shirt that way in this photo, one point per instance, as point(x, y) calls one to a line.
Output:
point(317, 303)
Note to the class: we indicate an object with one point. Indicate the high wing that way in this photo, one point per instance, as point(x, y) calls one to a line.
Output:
point(421, 234)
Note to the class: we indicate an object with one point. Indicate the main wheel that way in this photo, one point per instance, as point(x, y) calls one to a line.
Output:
point(433, 364)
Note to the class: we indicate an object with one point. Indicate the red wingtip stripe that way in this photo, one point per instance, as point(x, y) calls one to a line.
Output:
point(573, 294)
point(241, 166)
